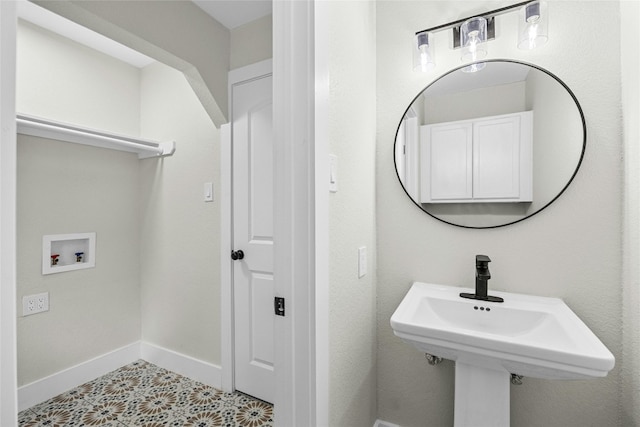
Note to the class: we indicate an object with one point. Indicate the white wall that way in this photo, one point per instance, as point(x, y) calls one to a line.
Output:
point(352, 363)
point(180, 280)
point(571, 250)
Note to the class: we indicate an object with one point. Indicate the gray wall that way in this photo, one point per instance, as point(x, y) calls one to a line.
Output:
point(251, 42)
point(557, 143)
point(177, 33)
point(163, 285)
point(575, 244)
point(69, 82)
point(506, 98)
point(179, 257)
point(69, 188)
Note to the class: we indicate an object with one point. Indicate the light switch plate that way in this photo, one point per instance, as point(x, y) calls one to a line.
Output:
point(333, 173)
point(208, 192)
point(362, 261)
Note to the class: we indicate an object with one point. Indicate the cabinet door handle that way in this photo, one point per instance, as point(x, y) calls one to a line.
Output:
point(236, 255)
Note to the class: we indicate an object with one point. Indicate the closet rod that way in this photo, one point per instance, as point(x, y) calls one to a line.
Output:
point(36, 126)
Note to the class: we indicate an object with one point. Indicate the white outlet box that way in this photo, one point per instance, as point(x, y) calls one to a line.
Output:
point(37, 303)
point(71, 251)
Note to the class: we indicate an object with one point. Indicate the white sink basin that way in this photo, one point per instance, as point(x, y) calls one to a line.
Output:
point(527, 335)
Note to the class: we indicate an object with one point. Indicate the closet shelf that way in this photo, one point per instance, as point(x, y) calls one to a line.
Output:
point(45, 128)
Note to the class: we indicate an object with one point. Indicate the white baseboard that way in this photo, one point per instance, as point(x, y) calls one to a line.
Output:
point(48, 387)
point(380, 423)
point(55, 384)
point(205, 372)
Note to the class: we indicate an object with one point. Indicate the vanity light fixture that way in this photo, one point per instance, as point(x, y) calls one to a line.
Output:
point(423, 52)
point(472, 33)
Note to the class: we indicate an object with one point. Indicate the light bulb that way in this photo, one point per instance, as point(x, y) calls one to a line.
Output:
point(475, 67)
point(473, 37)
point(533, 35)
point(473, 43)
point(423, 59)
point(532, 25)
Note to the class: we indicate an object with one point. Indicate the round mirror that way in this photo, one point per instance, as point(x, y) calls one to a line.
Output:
point(490, 148)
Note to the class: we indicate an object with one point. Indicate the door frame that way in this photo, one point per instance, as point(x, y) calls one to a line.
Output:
point(412, 141)
point(227, 333)
point(8, 179)
point(300, 111)
point(301, 203)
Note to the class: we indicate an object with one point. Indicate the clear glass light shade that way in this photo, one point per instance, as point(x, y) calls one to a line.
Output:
point(423, 59)
point(473, 39)
point(472, 68)
point(532, 25)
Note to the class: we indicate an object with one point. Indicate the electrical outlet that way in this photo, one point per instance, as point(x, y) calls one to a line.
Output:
point(37, 303)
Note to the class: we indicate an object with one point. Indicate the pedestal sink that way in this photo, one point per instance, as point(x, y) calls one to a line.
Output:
point(532, 336)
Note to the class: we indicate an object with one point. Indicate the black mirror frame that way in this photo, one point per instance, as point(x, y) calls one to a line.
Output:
point(584, 142)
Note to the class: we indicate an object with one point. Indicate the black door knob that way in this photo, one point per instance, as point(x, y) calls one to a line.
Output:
point(236, 255)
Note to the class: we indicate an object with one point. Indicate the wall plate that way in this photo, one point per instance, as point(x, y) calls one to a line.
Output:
point(74, 252)
point(36, 303)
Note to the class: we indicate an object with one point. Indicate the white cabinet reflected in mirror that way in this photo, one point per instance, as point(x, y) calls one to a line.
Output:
point(491, 148)
point(484, 160)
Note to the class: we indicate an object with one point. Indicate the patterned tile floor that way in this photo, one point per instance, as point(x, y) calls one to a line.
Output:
point(143, 394)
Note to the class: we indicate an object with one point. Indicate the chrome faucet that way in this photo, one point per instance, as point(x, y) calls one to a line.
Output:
point(482, 280)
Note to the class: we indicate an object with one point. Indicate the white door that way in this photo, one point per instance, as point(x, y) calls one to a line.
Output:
point(412, 158)
point(407, 157)
point(253, 296)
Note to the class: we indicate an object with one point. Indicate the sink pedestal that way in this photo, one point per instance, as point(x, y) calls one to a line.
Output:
point(481, 397)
